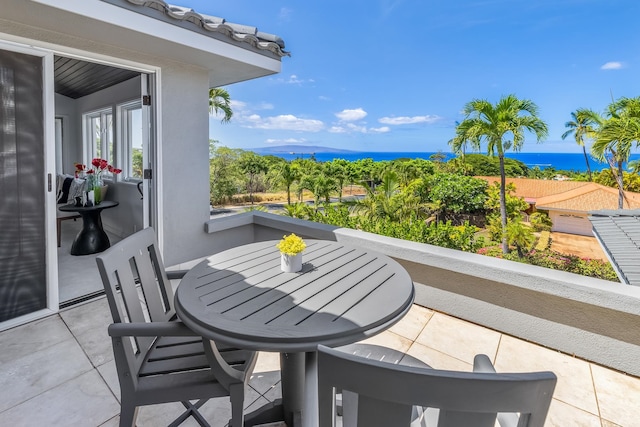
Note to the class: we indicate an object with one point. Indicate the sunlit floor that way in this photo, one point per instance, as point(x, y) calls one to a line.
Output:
point(60, 372)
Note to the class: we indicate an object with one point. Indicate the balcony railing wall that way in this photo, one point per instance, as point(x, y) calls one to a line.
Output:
point(593, 319)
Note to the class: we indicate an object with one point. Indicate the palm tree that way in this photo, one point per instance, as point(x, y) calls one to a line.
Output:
point(520, 235)
point(220, 101)
point(289, 173)
point(581, 125)
point(502, 126)
point(634, 166)
point(615, 138)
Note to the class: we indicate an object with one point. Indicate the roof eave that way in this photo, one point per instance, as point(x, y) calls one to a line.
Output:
point(103, 22)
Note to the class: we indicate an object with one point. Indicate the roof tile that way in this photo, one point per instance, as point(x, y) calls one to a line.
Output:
point(213, 24)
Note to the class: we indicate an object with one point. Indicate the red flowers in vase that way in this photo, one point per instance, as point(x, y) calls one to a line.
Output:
point(94, 176)
point(98, 166)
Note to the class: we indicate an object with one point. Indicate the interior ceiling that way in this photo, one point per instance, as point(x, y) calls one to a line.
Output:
point(75, 78)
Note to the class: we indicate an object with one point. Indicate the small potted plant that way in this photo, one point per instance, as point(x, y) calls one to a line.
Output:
point(291, 248)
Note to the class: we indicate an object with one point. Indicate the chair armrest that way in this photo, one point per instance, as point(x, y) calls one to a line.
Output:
point(151, 329)
point(482, 363)
point(176, 274)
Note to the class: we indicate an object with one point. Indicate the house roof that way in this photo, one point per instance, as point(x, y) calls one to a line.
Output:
point(618, 232)
point(570, 196)
point(144, 35)
point(213, 26)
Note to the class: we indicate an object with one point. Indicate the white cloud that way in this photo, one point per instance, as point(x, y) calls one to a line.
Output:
point(612, 66)
point(241, 107)
point(354, 128)
point(294, 80)
point(324, 98)
point(285, 14)
point(283, 122)
point(286, 141)
point(351, 115)
point(383, 129)
point(408, 120)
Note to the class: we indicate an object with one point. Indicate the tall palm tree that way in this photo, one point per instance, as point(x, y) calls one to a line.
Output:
point(220, 101)
point(289, 173)
point(502, 126)
point(616, 136)
point(582, 125)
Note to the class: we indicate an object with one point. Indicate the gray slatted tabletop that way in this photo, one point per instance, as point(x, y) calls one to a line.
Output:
point(342, 295)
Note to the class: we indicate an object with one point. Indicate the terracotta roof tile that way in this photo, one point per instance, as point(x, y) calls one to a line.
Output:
point(568, 195)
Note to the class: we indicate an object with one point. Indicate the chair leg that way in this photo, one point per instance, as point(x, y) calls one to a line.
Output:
point(236, 393)
point(192, 411)
point(128, 415)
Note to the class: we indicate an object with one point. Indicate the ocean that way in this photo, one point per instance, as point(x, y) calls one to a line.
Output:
point(560, 161)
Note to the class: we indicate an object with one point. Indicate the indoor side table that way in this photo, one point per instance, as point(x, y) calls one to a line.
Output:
point(343, 294)
point(91, 239)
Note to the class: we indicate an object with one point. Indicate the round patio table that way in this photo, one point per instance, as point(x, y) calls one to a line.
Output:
point(343, 294)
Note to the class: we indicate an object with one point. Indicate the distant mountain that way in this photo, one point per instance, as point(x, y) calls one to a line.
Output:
point(298, 149)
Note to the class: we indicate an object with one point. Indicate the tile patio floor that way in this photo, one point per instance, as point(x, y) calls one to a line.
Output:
point(59, 371)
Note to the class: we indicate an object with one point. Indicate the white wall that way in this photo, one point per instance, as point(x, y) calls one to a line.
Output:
point(185, 162)
point(71, 147)
point(572, 223)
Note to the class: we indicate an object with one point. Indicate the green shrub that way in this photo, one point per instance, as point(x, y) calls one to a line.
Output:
point(443, 234)
point(540, 221)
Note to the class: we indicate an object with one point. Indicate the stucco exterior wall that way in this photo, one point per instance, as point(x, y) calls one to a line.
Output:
point(185, 162)
point(572, 223)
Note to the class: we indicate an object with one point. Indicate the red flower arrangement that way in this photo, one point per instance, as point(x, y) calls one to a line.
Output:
point(99, 166)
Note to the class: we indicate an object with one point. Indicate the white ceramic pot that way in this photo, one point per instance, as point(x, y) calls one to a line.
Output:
point(291, 263)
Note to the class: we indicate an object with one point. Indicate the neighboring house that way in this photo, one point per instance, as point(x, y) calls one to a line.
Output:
point(618, 232)
point(111, 79)
point(568, 202)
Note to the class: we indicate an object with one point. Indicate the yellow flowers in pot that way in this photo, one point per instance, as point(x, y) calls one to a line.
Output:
point(291, 245)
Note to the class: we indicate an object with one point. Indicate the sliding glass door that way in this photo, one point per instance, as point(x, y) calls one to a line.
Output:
point(23, 177)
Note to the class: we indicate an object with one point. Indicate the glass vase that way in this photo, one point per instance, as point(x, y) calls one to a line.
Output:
point(97, 190)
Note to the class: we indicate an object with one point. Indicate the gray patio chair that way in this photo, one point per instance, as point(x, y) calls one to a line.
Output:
point(158, 359)
point(388, 392)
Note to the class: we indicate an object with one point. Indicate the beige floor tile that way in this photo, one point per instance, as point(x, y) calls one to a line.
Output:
point(413, 323)
point(113, 422)
point(564, 415)
point(458, 338)
point(266, 373)
point(26, 377)
point(437, 359)
point(574, 386)
point(88, 323)
point(267, 362)
point(618, 396)
point(82, 401)
point(391, 340)
point(32, 337)
point(109, 374)
point(606, 423)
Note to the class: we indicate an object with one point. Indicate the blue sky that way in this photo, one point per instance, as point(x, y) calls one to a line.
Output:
point(394, 75)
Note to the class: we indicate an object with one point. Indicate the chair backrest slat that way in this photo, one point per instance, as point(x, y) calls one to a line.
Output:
point(121, 267)
point(463, 398)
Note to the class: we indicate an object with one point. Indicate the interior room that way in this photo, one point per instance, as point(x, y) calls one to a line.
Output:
point(98, 114)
